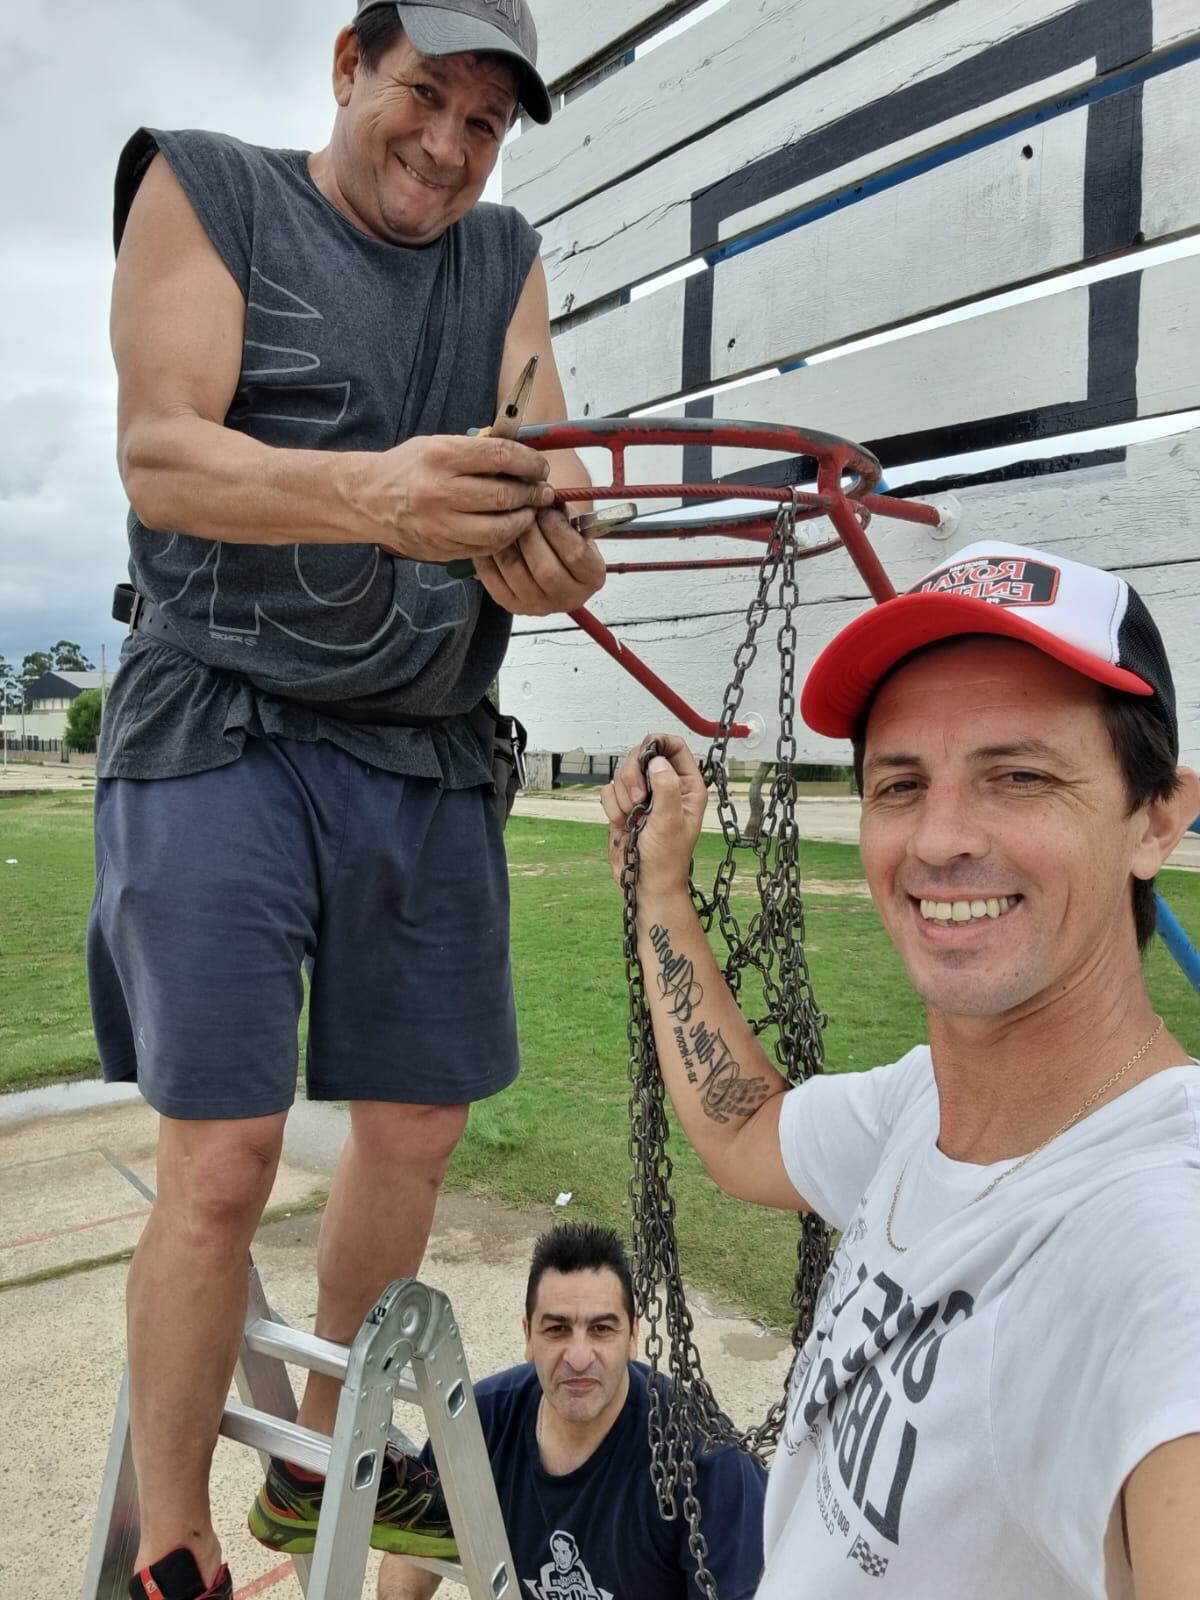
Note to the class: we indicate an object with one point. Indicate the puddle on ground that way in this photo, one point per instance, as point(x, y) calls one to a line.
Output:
point(756, 1344)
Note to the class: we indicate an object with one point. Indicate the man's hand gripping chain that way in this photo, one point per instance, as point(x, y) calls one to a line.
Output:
point(637, 819)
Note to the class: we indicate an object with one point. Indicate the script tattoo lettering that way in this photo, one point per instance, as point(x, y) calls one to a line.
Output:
point(676, 977)
point(726, 1093)
point(703, 1052)
point(685, 1055)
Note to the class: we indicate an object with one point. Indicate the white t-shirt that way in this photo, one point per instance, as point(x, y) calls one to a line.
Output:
point(963, 1415)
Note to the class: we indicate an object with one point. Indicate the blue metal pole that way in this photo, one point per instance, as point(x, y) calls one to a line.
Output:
point(1170, 931)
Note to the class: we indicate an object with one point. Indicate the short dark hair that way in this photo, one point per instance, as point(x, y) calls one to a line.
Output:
point(1141, 744)
point(380, 28)
point(579, 1247)
point(377, 31)
point(1147, 761)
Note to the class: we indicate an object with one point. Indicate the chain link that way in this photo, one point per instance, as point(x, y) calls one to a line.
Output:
point(684, 1414)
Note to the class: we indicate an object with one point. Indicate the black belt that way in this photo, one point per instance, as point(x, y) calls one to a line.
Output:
point(142, 615)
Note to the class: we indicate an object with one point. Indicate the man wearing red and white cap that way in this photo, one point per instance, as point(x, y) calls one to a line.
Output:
point(1000, 1397)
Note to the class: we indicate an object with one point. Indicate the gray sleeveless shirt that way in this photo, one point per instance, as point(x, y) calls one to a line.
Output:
point(350, 344)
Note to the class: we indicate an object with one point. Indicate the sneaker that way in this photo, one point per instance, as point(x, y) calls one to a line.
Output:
point(177, 1577)
point(410, 1514)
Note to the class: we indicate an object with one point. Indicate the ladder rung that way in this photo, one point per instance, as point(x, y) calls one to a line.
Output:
point(278, 1438)
point(288, 1439)
point(306, 1350)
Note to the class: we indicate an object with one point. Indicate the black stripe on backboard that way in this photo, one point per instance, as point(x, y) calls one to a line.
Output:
point(1112, 203)
point(1114, 33)
point(697, 459)
point(1114, 319)
point(1091, 30)
point(1012, 473)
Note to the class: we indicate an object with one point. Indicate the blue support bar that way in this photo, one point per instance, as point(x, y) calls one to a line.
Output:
point(1170, 931)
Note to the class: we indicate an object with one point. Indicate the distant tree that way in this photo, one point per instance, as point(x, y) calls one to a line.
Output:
point(83, 720)
point(35, 665)
point(65, 656)
point(68, 657)
point(10, 687)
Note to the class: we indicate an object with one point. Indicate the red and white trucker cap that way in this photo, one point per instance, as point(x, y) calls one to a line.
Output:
point(1090, 620)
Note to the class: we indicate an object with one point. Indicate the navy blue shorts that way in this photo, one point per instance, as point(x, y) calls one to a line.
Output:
point(213, 891)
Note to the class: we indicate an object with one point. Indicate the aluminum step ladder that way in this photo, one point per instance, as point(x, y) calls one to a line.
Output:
point(407, 1348)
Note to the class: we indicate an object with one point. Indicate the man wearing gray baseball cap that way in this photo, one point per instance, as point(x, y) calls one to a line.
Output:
point(499, 27)
point(292, 770)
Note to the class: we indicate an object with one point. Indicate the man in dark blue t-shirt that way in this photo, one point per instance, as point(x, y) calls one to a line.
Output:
point(567, 1437)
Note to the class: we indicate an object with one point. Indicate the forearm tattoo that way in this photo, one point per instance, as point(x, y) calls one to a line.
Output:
point(676, 977)
point(706, 1057)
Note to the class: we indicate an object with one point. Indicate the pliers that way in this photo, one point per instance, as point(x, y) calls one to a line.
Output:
point(507, 425)
point(512, 413)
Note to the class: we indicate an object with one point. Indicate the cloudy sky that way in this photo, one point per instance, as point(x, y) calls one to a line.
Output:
point(79, 78)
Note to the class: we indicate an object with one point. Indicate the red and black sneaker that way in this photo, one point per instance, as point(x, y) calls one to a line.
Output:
point(177, 1577)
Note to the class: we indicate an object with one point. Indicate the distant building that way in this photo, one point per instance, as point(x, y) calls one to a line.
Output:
point(50, 699)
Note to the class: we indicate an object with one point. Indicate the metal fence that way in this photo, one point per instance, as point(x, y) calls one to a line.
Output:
point(31, 746)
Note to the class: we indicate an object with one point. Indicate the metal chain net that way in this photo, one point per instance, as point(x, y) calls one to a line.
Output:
point(685, 1415)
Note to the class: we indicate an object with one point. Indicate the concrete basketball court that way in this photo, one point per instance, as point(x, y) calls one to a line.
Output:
point(73, 1163)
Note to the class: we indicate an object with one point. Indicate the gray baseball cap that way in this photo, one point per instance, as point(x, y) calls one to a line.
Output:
point(454, 27)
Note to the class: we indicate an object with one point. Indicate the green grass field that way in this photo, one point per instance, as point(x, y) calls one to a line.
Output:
point(564, 1125)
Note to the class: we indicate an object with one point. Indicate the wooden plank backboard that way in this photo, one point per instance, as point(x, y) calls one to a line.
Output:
point(594, 35)
point(881, 208)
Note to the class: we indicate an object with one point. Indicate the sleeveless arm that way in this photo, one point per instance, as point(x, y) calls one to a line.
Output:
point(178, 321)
point(214, 173)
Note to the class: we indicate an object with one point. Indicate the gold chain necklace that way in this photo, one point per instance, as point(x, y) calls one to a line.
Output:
point(1037, 1150)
